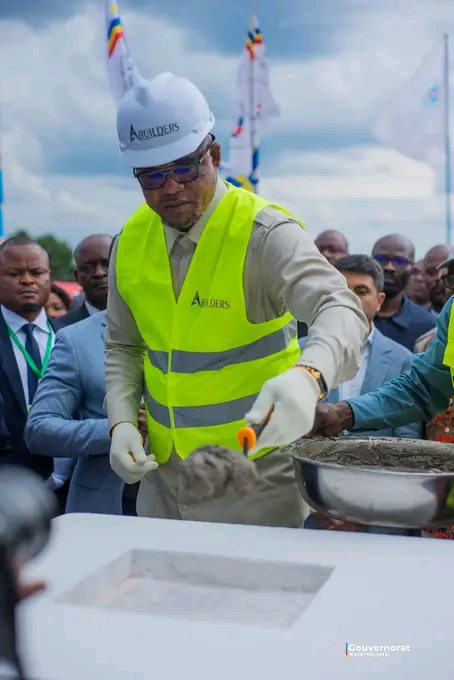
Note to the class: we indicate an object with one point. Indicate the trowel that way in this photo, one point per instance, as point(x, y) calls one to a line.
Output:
point(212, 471)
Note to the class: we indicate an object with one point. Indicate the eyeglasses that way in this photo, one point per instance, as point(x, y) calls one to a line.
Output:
point(448, 281)
point(181, 173)
point(396, 260)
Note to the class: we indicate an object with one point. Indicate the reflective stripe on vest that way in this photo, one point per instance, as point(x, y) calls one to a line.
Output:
point(196, 416)
point(205, 362)
point(192, 362)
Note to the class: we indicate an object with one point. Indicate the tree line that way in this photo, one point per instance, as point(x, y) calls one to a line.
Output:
point(60, 255)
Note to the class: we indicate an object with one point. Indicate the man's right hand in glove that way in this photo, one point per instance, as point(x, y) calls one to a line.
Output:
point(127, 455)
point(331, 419)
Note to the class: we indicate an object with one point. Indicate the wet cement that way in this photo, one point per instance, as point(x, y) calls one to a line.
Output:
point(393, 454)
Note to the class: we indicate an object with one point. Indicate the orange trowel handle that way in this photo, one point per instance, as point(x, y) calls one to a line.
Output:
point(247, 436)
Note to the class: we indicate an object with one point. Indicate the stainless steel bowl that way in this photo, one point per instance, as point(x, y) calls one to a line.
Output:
point(372, 495)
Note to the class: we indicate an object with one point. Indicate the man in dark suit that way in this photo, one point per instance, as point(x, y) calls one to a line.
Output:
point(399, 318)
point(92, 265)
point(5, 447)
point(26, 339)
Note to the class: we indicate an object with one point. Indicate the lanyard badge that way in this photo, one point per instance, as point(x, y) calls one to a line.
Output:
point(39, 373)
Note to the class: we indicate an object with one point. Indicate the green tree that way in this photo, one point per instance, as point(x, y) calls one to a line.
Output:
point(60, 255)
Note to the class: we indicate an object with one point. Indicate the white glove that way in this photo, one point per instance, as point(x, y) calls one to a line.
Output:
point(127, 455)
point(294, 397)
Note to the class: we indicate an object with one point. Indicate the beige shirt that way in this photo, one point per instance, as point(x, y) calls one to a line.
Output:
point(283, 272)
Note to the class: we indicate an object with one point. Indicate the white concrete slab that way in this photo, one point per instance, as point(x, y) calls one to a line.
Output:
point(379, 590)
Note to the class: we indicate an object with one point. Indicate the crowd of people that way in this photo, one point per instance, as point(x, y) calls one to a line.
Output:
point(407, 298)
point(185, 328)
point(61, 430)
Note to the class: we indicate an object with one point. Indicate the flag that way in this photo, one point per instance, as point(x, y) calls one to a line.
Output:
point(120, 66)
point(255, 111)
point(413, 121)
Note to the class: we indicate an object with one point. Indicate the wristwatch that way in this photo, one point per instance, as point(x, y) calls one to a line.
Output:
point(318, 378)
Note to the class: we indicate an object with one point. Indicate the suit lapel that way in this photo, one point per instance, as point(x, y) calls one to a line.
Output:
point(377, 366)
point(54, 324)
point(102, 327)
point(83, 312)
point(8, 365)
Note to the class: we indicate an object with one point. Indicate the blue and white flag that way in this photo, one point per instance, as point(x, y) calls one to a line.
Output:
point(413, 120)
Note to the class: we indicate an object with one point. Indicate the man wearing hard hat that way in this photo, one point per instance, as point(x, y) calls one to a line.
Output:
point(206, 283)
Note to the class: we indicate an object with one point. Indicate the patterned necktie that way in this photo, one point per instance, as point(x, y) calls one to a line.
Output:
point(32, 348)
point(176, 255)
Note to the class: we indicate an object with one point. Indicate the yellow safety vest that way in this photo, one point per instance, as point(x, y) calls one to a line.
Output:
point(448, 358)
point(205, 362)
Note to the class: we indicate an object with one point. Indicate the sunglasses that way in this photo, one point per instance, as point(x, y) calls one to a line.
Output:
point(397, 260)
point(181, 173)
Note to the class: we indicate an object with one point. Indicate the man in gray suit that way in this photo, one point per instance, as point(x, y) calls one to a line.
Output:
point(381, 360)
point(67, 418)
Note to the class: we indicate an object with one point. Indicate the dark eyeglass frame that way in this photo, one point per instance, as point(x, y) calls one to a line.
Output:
point(157, 178)
point(448, 280)
point(398, 261)
point(431, 271)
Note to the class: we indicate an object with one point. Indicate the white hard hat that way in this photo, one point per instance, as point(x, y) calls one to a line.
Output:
point(161, 120)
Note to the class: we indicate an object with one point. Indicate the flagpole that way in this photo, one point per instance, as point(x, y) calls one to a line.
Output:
point(252, 108)
point(447, 141)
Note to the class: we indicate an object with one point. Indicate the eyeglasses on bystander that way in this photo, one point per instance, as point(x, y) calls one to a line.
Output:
point(397, 260)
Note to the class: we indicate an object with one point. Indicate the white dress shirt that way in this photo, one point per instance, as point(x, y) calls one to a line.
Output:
point(181, 245)
point(352, 388)
point(41, 333)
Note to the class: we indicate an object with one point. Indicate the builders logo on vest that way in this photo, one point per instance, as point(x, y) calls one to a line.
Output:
point(209, 302)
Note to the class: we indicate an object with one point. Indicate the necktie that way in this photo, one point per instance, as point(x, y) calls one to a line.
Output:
point(177, 255)
point(32, 348)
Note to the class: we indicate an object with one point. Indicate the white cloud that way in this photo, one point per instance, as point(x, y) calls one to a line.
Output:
point(55, 95)
point(364, 192)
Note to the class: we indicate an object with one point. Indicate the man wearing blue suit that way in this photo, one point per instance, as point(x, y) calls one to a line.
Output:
point(381, 360)
point(67, 418)
point(92, 265)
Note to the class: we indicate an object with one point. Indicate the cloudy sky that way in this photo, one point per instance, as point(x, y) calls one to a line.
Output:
point(333, 64)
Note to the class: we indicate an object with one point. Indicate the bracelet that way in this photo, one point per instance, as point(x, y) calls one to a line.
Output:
point(317, 377)
point(123, 421)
